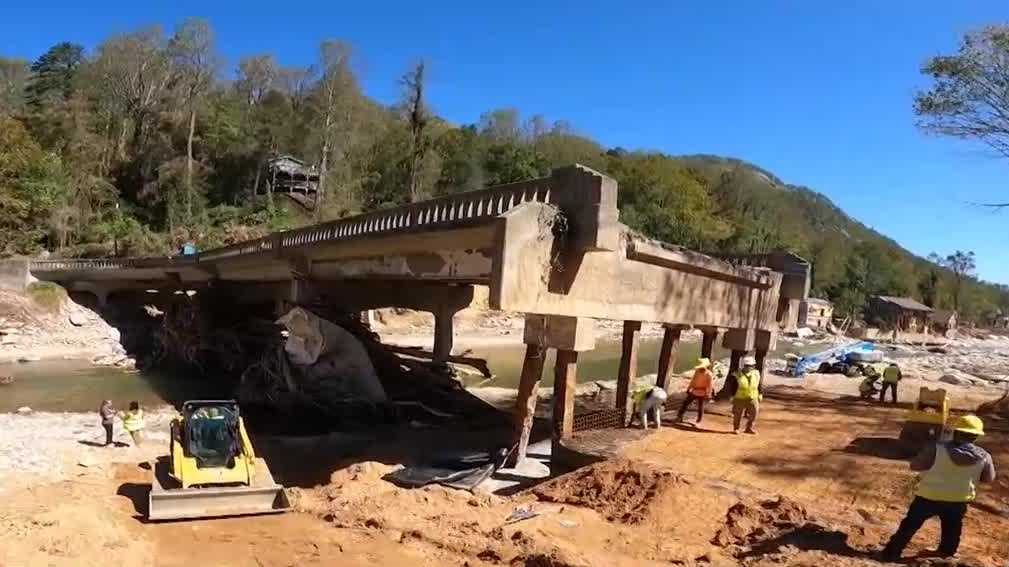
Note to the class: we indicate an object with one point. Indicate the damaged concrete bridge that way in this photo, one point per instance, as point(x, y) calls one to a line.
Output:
point(551, 248)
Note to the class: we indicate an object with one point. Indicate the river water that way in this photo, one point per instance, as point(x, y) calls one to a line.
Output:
point(77, 385)
point(73, 385)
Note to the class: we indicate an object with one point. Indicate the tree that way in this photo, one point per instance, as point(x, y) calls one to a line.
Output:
point(257, 74)
point(33, 185)
point(666, 201)
point(134, 72)
point(851, 292)
point(928, 286)
point(962, 265)
point(191, 50)
point(417, 118)
point(53, 74)
point(13, 78)
point(334, 104)
point(969, 98)
point(501, 125)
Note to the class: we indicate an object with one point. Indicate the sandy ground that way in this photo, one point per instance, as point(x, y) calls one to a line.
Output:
point(681, 496)
point(823, 484)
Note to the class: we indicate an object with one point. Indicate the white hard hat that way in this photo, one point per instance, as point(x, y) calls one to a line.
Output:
point(749, 361)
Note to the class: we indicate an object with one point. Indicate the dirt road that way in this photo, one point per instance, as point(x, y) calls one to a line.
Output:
point(682, 496)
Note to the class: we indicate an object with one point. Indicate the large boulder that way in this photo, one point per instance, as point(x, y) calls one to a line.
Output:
point(330, 356)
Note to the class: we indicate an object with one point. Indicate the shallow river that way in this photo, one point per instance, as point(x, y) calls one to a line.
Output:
point(77, 385)
point(69, 385)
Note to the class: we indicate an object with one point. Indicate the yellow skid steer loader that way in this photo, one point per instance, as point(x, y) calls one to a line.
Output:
point(212, 470)
point(926, 420)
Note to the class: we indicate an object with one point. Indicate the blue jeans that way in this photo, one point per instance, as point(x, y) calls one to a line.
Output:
point(892, 386)
point(950, 516)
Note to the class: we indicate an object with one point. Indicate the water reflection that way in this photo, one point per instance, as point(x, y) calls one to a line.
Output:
point(76, 385)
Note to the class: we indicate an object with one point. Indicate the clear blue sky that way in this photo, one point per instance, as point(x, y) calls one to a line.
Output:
point(818, 93)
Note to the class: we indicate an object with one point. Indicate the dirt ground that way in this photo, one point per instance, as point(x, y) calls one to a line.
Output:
point(824, 483)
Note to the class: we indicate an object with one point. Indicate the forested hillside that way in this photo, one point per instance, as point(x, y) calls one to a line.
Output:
point(149, 140)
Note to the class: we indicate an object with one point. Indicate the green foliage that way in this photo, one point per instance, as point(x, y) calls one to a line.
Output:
point(13, 77)
point(53, 74)
point(140, 146)
point(47, 295)
point(667, 201)
point(968, 96)
point(33, 183)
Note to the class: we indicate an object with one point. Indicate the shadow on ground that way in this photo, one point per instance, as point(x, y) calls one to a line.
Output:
point(881, 447)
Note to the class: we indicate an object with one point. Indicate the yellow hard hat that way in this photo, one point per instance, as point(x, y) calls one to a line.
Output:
point(971, 424)
point(703, 363)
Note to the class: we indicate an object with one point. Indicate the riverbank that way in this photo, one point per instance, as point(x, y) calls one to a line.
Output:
point(41, 447)
point(57, 330)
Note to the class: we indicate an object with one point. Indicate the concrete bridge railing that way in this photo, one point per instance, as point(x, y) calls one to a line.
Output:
point(474, 206)
point(452, 210)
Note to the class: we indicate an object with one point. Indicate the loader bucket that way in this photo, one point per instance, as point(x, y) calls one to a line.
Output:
point(917, 434)
point(166, 502)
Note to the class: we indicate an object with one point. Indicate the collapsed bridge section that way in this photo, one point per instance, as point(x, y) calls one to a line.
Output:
point(551, 248)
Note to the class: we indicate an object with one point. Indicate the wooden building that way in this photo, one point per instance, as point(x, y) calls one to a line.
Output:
point(901, 313)
point(287, 175)
point(944, 321)
point(815, 313)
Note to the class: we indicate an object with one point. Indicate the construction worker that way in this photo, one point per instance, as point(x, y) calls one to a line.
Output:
point(107, 414)
point(700, 389)
point(133, 423)
point(868, 388)
point(650, 401)
point(949, 474)
point(891, 376)
point(746, 401)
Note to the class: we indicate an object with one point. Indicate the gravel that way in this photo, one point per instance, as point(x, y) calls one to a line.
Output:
point(51, 445)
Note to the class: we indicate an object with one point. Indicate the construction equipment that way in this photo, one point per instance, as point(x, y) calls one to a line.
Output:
point(212, 470)
point(926, 420)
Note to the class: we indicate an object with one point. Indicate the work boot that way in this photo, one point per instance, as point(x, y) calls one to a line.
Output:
point(735, 432)
point(751, 431)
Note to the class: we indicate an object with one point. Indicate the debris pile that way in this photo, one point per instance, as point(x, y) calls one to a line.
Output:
point(322, 365)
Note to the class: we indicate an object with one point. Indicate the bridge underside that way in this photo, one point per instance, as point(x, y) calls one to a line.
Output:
point(552, 249)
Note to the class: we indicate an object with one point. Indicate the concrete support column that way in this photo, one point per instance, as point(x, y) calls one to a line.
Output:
point(708, 339)
point(443, 334)
point(628, 369)
point(568, 335)
point(729, 387)
point(298, 292)
point(734, 360)
point(667, 356)
point(760, 357)
point(525, 403)
point(565, 377)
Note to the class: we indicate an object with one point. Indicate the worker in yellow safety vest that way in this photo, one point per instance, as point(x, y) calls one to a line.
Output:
point(949, 475)
point(891, 376)
point(133, 423)
point(746, 401)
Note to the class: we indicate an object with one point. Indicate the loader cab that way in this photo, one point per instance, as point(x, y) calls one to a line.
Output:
point(209, 433)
